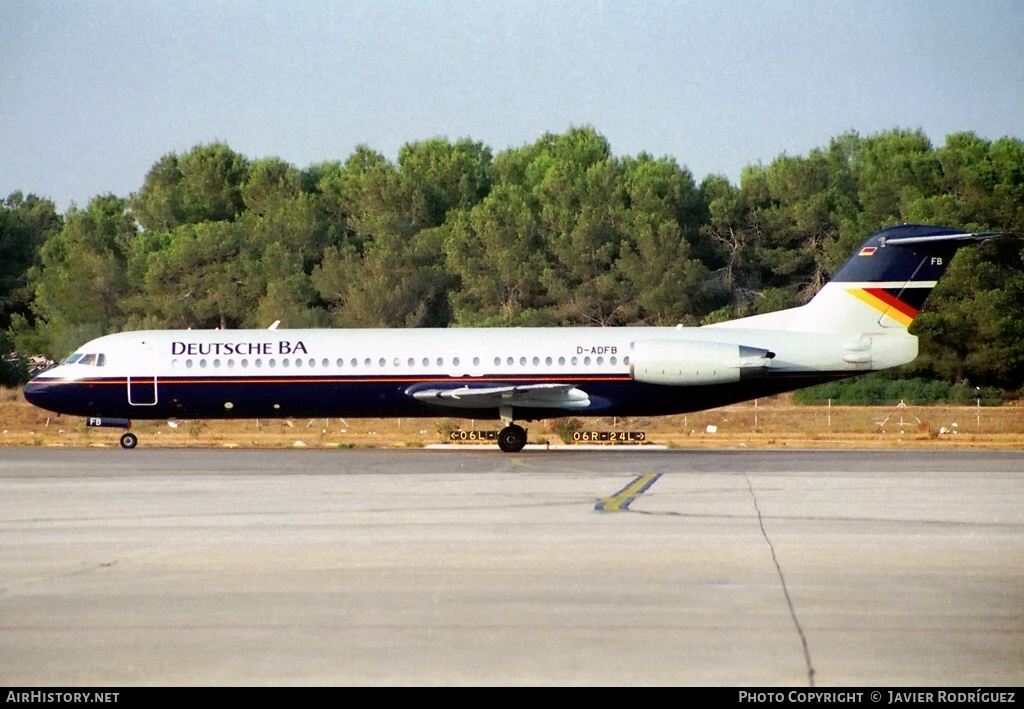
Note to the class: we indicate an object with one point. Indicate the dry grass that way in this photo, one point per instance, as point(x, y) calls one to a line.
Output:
point(770, 423)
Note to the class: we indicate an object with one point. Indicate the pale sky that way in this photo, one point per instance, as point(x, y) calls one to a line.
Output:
point(94, 92)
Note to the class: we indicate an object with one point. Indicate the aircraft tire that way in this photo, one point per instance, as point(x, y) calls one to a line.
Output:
point(129, 441)
point(512, 439)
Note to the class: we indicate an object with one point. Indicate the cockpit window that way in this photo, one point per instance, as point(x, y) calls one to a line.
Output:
point(89, 360)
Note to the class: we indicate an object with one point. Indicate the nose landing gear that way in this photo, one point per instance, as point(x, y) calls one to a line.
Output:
point(128, 441)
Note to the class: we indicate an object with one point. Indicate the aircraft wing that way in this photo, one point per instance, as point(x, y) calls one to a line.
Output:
point(536, 396)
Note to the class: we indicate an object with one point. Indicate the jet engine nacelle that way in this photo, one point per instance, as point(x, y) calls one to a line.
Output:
point(686, 363)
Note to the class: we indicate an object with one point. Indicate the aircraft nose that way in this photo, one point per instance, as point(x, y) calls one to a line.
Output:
point(41, 393)
point(33, 392)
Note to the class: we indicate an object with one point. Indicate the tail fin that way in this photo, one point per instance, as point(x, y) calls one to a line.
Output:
point(880, 288)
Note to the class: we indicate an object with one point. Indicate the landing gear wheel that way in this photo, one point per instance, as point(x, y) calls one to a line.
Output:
point(512, 438)
point(129, 441)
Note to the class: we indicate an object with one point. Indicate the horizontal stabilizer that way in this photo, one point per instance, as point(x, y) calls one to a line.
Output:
point(937, 238)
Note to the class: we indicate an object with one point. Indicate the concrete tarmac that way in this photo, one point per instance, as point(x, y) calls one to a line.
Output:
point(469, 567)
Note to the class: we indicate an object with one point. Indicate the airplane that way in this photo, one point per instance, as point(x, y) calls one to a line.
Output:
point(856, 323)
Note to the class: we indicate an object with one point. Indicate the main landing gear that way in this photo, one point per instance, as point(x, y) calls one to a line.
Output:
point(512, 438)
point(129, 440)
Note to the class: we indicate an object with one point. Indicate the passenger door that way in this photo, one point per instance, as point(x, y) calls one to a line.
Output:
point(142, 388)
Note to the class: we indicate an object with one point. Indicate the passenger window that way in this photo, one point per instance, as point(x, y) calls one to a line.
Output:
point(476, 361)
point(536, 361)
point(340, 363)
point(561, 360)
point(298, 362)
point(202, 364)
point(216, 363)
point(510, 361)
point(586, 360)
point(245, 364)
point(600, 360)
point(284, 362)
point(440, 361)
point(271, 362)
point(613, 361)
point(258, 362)
point(522, 361)
point(497, 361)
point(625, 360)
point(367, 361)
point(382, 362)
point(355, 362)
point(411, 362)
point(547, 361)
point(188, 363)
point(455, 362)
point(397, 362)
point(575, 361)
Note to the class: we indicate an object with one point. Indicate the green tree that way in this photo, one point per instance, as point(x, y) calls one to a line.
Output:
point(81, 283)
point(199, 276)
point(388, 269)
point(666, 260)
point(158, 205)
point(13, 368)
point(893, 169)
point(381, 286)
point(440, 176)
point(811, 201)
point(496, 250)
point(1007, 156)
point(204, 184)
point(972, 329)
point(271, 184)
point(289, 295)
point(581, 207)
point(25, 225)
